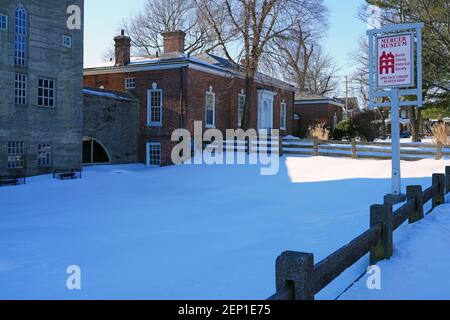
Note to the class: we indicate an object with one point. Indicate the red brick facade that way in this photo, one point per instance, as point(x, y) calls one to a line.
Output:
point(184, 94)
point(315, 113)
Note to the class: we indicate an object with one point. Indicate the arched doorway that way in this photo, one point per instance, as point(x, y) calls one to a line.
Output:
point(94, 152)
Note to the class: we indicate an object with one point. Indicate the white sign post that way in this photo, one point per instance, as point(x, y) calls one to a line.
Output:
point(395, 52)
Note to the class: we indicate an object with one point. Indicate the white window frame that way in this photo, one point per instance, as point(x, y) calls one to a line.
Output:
point(44, 155)
point(213, 95)
point(158, 146)
point(130, 83)
point(16, 155)
point(241, 110)
point(20, 88)
point(4, 18)
point(69, 44)
point(151, 123)
point(283, 116)
point(42, 96)
point(20, 36)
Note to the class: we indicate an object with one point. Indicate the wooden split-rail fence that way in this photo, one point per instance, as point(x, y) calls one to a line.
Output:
point(298, 277)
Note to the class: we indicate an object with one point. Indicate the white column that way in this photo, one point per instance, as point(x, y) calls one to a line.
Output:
point(395, 128)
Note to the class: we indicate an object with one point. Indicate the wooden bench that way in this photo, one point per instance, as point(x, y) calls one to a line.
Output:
point(12, 180)
point(64, 174)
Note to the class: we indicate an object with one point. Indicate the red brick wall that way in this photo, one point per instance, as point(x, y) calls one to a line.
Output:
point(317, 113)
point(184, 93)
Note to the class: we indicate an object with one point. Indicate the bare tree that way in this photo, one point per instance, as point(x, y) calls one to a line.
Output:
point(159, 16)
point(251, 25)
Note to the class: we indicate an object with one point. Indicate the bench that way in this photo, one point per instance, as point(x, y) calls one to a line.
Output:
point(64, 174)
point(12, 180)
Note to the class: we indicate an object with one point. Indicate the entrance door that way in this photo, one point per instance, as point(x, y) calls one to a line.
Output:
point(265, 109)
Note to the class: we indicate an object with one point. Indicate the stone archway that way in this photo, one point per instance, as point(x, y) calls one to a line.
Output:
point(94, 152)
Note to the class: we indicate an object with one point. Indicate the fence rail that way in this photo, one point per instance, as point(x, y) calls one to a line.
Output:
point(355, 149)
point(298, 278)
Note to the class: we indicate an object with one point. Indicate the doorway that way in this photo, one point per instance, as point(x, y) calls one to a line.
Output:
point(94, 152)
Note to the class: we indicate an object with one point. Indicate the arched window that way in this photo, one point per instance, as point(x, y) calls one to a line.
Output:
point(20, 36)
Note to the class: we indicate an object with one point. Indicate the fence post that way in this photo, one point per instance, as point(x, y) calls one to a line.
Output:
point(439, 197)
point(382, 214)
point(415, 192)
point(438, 150)
point(280, 144)
point(447, 179)
point(354, 155)
point(296, 270)
point(316, 147)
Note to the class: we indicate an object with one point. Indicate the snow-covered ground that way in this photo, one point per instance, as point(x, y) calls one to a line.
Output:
point(419, 268)
point(186, 232)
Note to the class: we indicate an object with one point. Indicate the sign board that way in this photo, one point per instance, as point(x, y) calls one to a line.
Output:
point(395, 60)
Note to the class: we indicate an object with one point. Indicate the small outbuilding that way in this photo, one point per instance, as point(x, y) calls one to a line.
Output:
point(110, 127)
point(312, 110)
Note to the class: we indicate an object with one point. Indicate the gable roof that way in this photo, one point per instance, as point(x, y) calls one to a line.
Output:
point(110, 94)
point(205, 62)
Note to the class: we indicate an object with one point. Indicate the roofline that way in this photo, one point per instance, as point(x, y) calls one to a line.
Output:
point(319, 101)
point(183, 63)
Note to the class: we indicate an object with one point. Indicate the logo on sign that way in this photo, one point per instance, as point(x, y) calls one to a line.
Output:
point(395, 61)
point(387, 63)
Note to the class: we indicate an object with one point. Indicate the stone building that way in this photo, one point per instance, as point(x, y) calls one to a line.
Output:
point(175, 90)
point(41, 81)
point(110, 127)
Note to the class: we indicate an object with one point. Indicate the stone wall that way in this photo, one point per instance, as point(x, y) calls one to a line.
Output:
point(111, 118)
point(60, 125)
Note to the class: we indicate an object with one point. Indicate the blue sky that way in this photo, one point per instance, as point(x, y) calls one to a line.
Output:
point(102, 18)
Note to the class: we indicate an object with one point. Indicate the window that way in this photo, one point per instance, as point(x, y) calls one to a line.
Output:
point(403, 114)
point(20, 89)
point(16, 155)
point(210, 108)
point(154, 154)
point(44, 155)
point(67, 41)
point(20, 36)
point(241, 106)
point(130, 83)
point(46, 92)
point(3, 22)
point(283, 116)
point(154, 108)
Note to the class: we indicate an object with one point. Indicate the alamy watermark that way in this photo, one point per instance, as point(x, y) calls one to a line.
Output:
point(374, 279)
point(74, 19)
point(74, 280)
point(242, 148)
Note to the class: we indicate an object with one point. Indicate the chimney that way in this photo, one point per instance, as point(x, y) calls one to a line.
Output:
point(174, 41)
point(123, 48)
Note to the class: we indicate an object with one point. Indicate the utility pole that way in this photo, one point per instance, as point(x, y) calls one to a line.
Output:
point(346, 97)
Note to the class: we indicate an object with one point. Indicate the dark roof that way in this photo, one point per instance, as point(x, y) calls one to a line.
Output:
point(109, 94)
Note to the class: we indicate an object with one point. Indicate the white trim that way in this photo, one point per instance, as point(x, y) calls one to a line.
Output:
point(265, 96)
point(306, 102)
point(149, 108)
point(147, 155)
point(209, 125)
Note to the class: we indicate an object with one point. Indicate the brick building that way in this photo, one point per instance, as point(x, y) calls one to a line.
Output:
point(175, 90)
point(312, 110)
point(41, 79)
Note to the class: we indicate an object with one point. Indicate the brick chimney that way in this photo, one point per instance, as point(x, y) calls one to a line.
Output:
point(174, 41)
point(123, 48)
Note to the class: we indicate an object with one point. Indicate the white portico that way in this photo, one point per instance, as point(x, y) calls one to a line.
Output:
point(265, 109)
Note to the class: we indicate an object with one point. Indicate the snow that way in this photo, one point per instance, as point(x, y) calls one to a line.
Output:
point(107, 94)
point(419, 267)
point(186, 232)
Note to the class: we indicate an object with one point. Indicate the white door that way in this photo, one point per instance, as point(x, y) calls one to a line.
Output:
point(265, 109)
